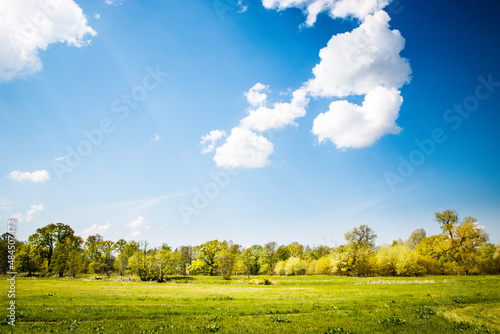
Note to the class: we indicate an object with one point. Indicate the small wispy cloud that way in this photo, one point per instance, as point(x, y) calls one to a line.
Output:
point(97, 16)
point(96, 229)
point(5, 203)
point(209, 141)
point(38, 176)
point(31, 214)
point(136, 226)
point(113, 2)
point(60, 158)
point(135, 206)
point(33, 211)
point(156, 138)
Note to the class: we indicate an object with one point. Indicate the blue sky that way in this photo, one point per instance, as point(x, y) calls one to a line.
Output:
point(300, 155)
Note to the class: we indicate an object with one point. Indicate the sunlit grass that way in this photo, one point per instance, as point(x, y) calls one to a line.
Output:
point(304, 304)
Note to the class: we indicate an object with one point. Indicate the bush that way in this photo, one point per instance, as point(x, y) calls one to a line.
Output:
point(279, 268)
point(295, 266)
point(323, 266)
point(407, 264)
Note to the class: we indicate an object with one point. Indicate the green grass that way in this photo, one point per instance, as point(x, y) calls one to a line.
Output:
point(304, 304)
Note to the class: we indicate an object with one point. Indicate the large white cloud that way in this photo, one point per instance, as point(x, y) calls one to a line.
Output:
point(281, 114)
point(243, 148)
point(356, 62)
point(365, 61)
point(29, 26)
point(349, 125)
point(36, 176)
point(335, 8)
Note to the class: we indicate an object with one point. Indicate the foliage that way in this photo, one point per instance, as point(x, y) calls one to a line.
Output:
point(461, 249)
point(226, 259)
point(415, 238)
point(251, 259)
point(361, 237)
point(206, 258)
point(46, 239)
point(294, 266)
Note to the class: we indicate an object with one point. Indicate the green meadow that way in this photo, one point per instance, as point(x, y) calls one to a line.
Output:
point(261, 304)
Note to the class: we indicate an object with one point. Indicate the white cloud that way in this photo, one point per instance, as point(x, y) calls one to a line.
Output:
point(60, 158)
point(281, 114)
point(209, 141)
point(136, 226)
point(156, 138)
point(243, 148)
point(17, 216)
point(113, 2)
point(365, 61)
point(34, 209)
point(349, 125)
point(29, 26)
point(336, 8)
point(97, 16)
point(255, 97)
point(5, 203)
point(356, 62)
point(96, 229)
point(36, 176)
point(243, 7)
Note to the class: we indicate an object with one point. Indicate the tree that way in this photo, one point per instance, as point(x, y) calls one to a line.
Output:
point(408, 264)
point(282, 253)
point(250, 258)
point(318, 252)
point(66, 255)
point(206, 256)
point(447, 219)
point(4, 250)
point(295, 249)
point(435, 246)
point(415, 238)
point(138, 265)
point(361, 237)
point(469, 237)
point(387, 259)
point(267, 259)
point(159, 264)
point(47, 238)
point(99, 252)
point(227, 258)
point(323, 266)
point(125, 253)
point(27, 259)
point(295, 266)
point(357, 256)
point(185, 259)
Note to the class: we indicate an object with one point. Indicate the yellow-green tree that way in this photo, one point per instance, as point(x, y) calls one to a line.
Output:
point(206, 258)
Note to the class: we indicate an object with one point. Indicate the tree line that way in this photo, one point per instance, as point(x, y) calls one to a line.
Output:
point(461, 249)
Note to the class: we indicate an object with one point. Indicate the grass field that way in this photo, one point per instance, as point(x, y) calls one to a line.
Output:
point(302, 304)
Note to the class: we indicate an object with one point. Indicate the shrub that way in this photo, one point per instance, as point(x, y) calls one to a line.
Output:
point(295, 266)
point(323, 266)
point(279, 268)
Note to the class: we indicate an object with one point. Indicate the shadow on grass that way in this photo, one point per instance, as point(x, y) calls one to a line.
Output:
point(180, 279)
